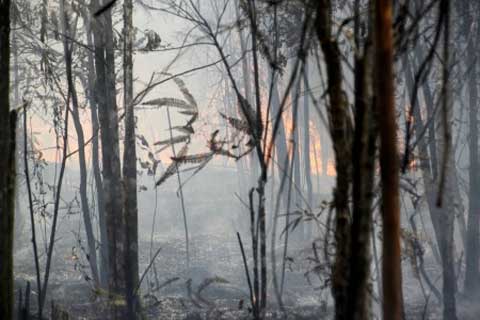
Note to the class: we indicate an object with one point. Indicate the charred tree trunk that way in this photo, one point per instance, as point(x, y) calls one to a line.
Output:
point(7, 168)
point(130, 167)
point(340, 130)
point(363, 172)
point(112, 180)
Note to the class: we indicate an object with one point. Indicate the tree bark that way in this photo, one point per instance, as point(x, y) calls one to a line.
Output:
point(130, 167)
point(90, 90)
point(340, 130)
point(307, 167)
point(7, 168)
point(472, 250)
point(385, 94)
point(6, 211)
point(112, 180)
point(363, 173)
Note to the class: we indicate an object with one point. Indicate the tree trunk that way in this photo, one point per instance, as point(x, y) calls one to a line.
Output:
point(363, 174)
point(385, 95)
point(307, 167)
point(130, 167)
point(296, 179)
point(280, 139)
point(472, 250)
point(340, 130)
point(92, 251)
point(112, 181)
point(90, 90)
point(446, 153)
point(246, 70)
point(7, 167)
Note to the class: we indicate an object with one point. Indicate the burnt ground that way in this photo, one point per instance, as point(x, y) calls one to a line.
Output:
point(214, 288)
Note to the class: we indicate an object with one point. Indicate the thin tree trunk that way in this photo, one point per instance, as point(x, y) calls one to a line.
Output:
point(306, 146)
point(130, 166)
point(246, 70)
point(280, 139)
point(31, 211)
point(56, 205)
point(472, 250)
point(296, 179)
point(92, 251)
point(91, 96)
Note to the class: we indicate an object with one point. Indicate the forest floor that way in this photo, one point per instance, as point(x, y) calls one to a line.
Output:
point(214, 287)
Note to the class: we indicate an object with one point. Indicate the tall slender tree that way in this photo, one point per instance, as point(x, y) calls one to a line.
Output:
point(472, 250)
point(129, 166)
point(385, 100)
point(111, 168)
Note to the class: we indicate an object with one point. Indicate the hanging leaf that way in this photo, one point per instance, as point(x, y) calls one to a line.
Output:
point(143, 141)
point(240, 125)
point(186, 93)
point(174, 140)
point(194, 158)
point(185, 129)
point(173, 167)
point(246, 109)
point(192, 119)
point(171, 102)
point(189, 112)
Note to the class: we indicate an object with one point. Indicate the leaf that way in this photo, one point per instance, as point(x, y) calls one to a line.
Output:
point(192, 119)
point(171, 102)
point(186, 93)
point(143, 141)
point(173, 167)
point(185, 129)
point(247, 111)
point(240, 125)
point(174, 140)
point(170, 171)
point(189, 112)
point(194, 158)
